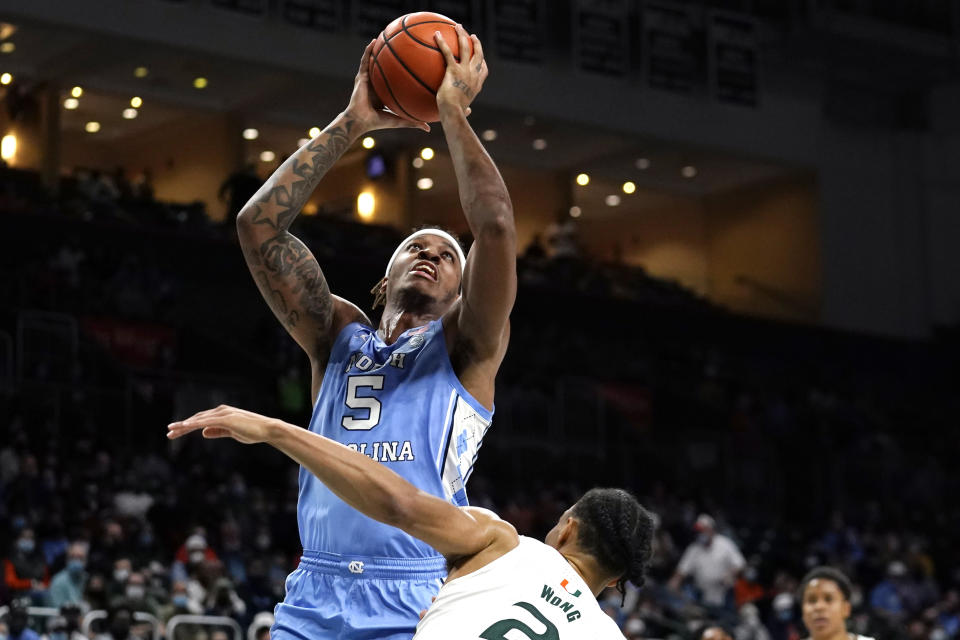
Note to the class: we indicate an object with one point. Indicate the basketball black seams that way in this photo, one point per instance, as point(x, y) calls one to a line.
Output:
point(386, 83)
point(408, 69)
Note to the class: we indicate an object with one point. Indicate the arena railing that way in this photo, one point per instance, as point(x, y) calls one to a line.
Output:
point(34, 612)
point(203, 621)
point(138, 616)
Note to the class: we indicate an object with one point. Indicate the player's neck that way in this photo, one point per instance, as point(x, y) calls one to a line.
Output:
point(588, 570)
point(395, 321)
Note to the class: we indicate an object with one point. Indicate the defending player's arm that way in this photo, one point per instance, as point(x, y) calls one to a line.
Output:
point(286, 272)
point(490, 277)
point(366, 485)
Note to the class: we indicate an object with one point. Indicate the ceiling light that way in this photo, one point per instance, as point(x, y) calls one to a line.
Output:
point(76, 92)
point(583, 179)
point(129, 113)
point(642, 163)
point(136, 102)
point(426, 153)
point(302, 141)
point(689, 171)
point(200, 83)
point(418, 162)
point(267, 156)
point(92, 127)
point(141, 72)
point(424, 183)
point(368, 143)
point(250, 134)
point(6, 78)
point(314, 132)
point(629, 187)
point(8, 147)
point(612, 200)
point(7, 30)
point(489, 135)
point(575, 211)
point(71, 103)
point(539, 144)
point(7, 47)
point(366, 203)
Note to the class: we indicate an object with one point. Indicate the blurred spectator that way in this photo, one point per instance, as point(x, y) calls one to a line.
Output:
point(72, 616)
point(712, 561)
point(783, 624)
point(887, 597)
point(69, 584)
point(191, 556)
point(25, 572)
point(117, 585)
point(180, 603)
point(135, 597)
point(237, 189)
point(17, 628)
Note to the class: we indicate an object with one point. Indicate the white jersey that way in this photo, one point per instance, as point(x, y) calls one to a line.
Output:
point(529, 592)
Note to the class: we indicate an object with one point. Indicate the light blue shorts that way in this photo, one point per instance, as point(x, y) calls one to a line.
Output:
point(333, 597)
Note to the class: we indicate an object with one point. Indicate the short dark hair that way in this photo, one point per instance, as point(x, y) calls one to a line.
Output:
point(826, 573)
point(616, 530)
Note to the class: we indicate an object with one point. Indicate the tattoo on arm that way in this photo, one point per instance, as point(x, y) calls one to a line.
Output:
point(285, 271)
point(293, 184)
point(463, 86)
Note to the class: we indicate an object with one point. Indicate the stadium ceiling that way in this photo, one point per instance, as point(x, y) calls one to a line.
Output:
point(283, 103)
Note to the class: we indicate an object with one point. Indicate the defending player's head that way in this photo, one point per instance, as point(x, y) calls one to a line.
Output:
point(825, 599)
point(612, 528)
point(424, 274)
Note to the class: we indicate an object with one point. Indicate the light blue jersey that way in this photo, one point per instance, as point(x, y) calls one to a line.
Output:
point(403, 406)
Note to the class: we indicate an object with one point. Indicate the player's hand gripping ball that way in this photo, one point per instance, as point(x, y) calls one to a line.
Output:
point(407, 67)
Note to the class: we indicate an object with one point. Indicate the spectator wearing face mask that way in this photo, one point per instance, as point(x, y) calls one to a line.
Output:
point(68, 585)
point(117, 584)
point(180, 603)
point(783, 623)
point(190, 556)
point(712, 562)
point(135, 597)
point(24, 571)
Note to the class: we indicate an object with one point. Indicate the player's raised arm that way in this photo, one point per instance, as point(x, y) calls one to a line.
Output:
point(366, 485)
point(490, 277)
point(286, 272)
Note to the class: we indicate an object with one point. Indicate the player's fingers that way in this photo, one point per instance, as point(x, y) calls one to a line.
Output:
point(365, 58)
point(179, 429)
point(477, 58)
point(396, 122)
point(463, 40)
point(444, 47)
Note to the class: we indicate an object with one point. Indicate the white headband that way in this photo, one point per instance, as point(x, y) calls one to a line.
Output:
point(429, 232)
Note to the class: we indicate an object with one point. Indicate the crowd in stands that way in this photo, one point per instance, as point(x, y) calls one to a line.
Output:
point(791, 447)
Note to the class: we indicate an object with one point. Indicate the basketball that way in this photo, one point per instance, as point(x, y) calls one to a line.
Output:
point(407, 67)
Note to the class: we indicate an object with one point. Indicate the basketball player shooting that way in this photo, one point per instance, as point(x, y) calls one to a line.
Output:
point(416, 393)
point(500, 583)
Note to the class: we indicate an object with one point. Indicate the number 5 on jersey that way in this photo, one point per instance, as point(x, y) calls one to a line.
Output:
point(355, 385)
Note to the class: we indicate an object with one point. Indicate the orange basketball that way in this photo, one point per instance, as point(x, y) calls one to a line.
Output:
point(407, 67)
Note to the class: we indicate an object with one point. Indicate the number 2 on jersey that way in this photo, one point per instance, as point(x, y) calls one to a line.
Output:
point(498, 630)
point(354, 385)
